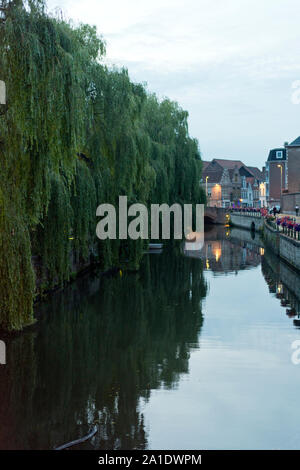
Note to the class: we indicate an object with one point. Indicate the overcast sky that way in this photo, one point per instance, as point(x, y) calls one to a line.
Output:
point(230, 63)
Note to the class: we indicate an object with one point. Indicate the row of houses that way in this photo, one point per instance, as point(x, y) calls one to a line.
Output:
point(230, 183)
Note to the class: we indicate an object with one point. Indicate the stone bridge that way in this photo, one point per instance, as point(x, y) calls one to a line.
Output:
point(216, 215)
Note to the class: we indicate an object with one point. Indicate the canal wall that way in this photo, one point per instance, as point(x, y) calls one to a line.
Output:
point(287, 248)
point(249, 237)
point(283, 281)
point(271, 239)
point(284, 273)
point(290, 251)
point(249, 222)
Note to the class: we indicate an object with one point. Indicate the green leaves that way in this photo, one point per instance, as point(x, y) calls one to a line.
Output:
point(75, 134)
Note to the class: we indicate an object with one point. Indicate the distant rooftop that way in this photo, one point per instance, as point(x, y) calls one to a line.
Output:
point(205, 164)
point(214, 176)
point(214, 170)
point(229, 164)
point(277, 154)
point(257, 173)
point(295, 143)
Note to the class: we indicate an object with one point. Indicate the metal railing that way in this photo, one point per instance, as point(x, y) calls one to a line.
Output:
point(250, 212)
point(286, 225)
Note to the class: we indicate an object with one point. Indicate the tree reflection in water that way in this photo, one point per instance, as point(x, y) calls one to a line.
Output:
point(98, 350)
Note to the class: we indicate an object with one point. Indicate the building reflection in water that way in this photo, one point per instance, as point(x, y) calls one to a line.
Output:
point(283, 282)
point(234, 249)
point(228, 250)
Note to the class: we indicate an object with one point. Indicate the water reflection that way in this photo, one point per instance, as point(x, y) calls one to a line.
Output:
point(284, 283)
point(132, 354)
point(228, 250)
point(232, 249)
point(99, 348)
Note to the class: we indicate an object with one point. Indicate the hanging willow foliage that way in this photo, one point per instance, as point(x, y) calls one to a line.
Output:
point(75, 134)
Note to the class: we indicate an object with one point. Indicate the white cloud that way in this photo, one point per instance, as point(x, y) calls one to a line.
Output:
point(230, 63)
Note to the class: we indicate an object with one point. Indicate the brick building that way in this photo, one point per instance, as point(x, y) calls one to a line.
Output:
point(291, 196)
point(276, 175)
point(289, 202)
point(293, 162)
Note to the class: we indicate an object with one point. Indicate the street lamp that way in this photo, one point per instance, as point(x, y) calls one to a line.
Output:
point(206, 184)
point(280, 166)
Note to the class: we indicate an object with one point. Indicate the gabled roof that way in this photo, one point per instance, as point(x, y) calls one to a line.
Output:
point(205, 164)
point(215, 169)
point(250, 180)
point(256, 172)
point(295, 143)
point(244, 171)
point(214, 176)
point(232, 173)
point(234, 165)
point(229, 164)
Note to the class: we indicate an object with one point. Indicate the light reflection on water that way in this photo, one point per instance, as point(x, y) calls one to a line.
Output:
point(191, 352)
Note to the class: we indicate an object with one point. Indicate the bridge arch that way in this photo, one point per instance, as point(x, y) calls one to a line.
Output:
point(209, 219)
point(215, 215)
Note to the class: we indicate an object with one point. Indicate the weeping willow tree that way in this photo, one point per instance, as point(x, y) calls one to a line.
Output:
point(175, 156)
point(74, 134)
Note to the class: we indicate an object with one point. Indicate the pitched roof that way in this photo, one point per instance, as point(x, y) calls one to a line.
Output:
point(229, 164)
point(205, 164)
point(231, 173)
point(256, 172)
point(214, 176)
point(295, 143)
point(250, 179)
point(214, 169)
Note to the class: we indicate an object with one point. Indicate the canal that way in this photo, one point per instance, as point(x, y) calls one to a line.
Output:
point(192, 352)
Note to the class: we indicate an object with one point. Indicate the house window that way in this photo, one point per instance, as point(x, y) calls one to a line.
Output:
point(279, 154)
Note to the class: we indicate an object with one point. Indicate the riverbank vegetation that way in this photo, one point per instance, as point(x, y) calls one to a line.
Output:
point(73, 134)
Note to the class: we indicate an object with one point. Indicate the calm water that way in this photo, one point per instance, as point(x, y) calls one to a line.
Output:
point(192, 352)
